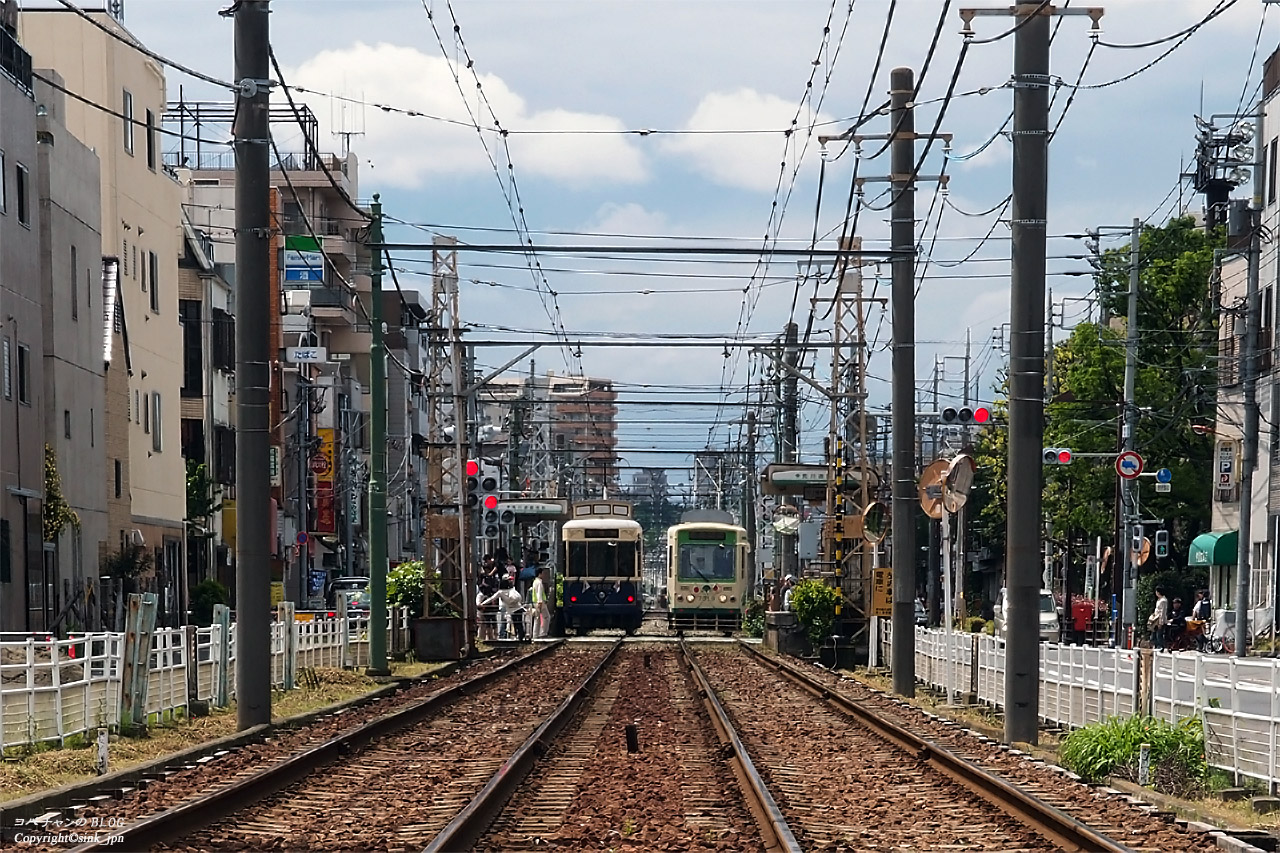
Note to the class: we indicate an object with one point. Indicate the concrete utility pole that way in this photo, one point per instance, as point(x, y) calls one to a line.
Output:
point(377, 523)
point(749, 504)
point(903, 511)
point(1249, 377)
point(1129, 435)
point(790, 435)
point(1026, 372)
point(254, 293)
point(302, 445)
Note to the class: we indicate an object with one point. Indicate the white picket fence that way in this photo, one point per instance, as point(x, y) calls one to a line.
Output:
point(52, 690)
point(1238, 700)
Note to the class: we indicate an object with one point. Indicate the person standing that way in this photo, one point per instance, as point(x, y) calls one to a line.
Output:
point(541, 612)
point(1159, 619)
point(788, 587)
point(1203, 609)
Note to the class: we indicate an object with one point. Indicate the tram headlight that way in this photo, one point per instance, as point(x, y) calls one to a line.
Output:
point(689, 598)
point(723, 598)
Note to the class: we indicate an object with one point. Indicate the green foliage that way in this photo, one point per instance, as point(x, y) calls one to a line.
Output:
point(814, 604)
point(989, 495)
point(753, 619)
point(1112, 747)
point(127, 563)
point(204, 596)
point(976, 625)
point(202, 496)
point(1177, 583)
point(404, 586)
point(56, 515)
point(990, 628)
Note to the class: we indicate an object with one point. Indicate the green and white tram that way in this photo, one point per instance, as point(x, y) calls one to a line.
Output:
point(707, 565)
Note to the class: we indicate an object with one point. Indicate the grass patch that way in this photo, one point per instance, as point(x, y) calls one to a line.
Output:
point(1177, 765)
point(49, 765)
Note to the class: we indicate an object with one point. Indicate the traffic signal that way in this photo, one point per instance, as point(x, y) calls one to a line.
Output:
point(966, 415)
point(1057, 456)
point(488, 493)
point(473, 482)
point(1162, 543)
point(506, 516)
point(1136, 539)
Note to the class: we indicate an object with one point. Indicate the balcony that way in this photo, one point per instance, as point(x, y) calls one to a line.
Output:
point(14, 61)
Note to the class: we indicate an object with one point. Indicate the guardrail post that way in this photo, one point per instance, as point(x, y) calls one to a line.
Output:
point(140, 625)
point(344, 628)
point(289, 636)
point(221, 641)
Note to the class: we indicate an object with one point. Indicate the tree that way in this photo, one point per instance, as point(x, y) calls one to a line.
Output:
point(202, 498)
point(56, 515)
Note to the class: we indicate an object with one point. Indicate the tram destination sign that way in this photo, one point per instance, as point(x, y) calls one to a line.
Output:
point(544, 509)
point(783, 479)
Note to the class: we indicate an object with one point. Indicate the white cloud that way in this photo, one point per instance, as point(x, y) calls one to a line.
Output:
point(413, 151)
point(743, 160)
point(629, 218)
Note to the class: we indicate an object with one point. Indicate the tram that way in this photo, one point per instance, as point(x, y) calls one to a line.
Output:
point(707, 566)
point(603, 566)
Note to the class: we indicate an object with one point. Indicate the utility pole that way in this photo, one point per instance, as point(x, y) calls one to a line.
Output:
point(1249, 377)
point(749, 503)
point(254, 294)
point(349, 484)
point(302, 444)
point(1026, 373)
point(1129, 436)
point(791, 436)
point(377, 522)
point(903, 511)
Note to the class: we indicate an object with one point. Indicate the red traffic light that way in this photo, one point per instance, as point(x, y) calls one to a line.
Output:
point(473, 468)
point(1064, 456)
point(490, 501)
point(981, 415)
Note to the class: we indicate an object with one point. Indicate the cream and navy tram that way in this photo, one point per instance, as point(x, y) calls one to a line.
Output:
point(602, 567)
point(707, 564)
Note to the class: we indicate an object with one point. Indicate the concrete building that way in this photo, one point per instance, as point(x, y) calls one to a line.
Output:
point(325, 292)
point(406, 425)
point(26, 589)
point(141, 226)
point(1218, 549)
point(74, 377)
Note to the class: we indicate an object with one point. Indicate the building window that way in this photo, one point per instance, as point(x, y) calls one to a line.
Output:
point(157, 430)
point(1271, 172)
point(135, 261)
point(7, 367)
point(66, 423)
point(20, 193)
point(151, 140)
point(137, 407)
point(192, 348)
point(75, 268)
point(119, 477)
point(88, 289)
point(124, 260)
point(146, 413)
point(24, 374)
point(6, 554)
point(153, 264)
point(224, 340)
point(127, 117)
point(4, 192)
point(93, 439)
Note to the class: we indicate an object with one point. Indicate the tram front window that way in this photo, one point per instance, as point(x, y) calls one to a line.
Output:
point(602, 559)
point(706, 562)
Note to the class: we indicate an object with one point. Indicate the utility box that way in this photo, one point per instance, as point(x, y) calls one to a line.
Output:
point(783, 633)
point(439, 638)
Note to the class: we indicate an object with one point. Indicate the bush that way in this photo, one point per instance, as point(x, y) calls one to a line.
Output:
point(814, 604)
point(975, 625)
point(204, 596)
point(404, 587)
point(753, 619)
point(1178, 765)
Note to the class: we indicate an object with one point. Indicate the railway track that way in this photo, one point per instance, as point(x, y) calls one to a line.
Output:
point(358, 790)
point(877, 785)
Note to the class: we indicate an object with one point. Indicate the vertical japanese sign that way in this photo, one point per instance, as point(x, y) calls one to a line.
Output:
point(326, 512)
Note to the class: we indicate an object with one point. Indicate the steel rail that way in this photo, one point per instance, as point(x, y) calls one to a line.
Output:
point(776, 834)
point(193, 815)
point(1055, 825)
point(467, 827)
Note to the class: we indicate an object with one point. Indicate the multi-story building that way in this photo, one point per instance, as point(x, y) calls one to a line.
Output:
point(325, 292)
point(101, 62)
point(74, 377)
point(406, 425)
point(1218, 549)
point(26, 589)
point(584, 416)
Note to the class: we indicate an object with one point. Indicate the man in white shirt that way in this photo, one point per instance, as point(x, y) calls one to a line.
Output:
point(541, 612)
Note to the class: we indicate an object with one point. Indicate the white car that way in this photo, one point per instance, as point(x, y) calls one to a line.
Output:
point(1050, 628)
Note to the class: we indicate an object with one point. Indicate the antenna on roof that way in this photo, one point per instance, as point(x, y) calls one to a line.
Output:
point(116, 9)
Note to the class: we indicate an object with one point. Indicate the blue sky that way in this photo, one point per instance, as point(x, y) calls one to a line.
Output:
point(590, 75)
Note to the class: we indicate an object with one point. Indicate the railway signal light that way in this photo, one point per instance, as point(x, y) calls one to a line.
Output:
point(1162, 543)
point(473, 482)
point(966, 415)
point(1136, 539)
point(488, 493)
point(1057, 456)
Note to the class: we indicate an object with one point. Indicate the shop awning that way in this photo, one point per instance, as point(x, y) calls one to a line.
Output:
point(1221, 548)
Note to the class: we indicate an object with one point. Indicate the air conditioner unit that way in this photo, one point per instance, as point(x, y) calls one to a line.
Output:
point(297, 301)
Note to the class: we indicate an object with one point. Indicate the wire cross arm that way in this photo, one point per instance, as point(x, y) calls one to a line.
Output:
point(525, 248)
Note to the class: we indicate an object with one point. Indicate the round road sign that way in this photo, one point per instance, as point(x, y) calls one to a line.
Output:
point(319, 464)
point(1129, 465)
point(1164, 475)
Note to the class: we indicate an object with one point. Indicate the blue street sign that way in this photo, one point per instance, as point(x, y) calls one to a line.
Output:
point(1164, 475)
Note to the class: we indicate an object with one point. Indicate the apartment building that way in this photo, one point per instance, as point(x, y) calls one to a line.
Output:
point(26, 589)
point(73, 355)
point(100, 61)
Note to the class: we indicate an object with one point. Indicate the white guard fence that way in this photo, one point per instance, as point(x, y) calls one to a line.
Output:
point(1238, 700)
point(52, 690)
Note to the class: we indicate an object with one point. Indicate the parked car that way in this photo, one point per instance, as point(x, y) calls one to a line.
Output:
point(1050, 627)
point(338, 585)
point(922, 615)
point(357, 599)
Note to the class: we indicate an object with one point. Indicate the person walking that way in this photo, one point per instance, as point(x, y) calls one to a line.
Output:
point(788, 587)
point(1159, 619)
point(538, 599)
point(510, 611)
